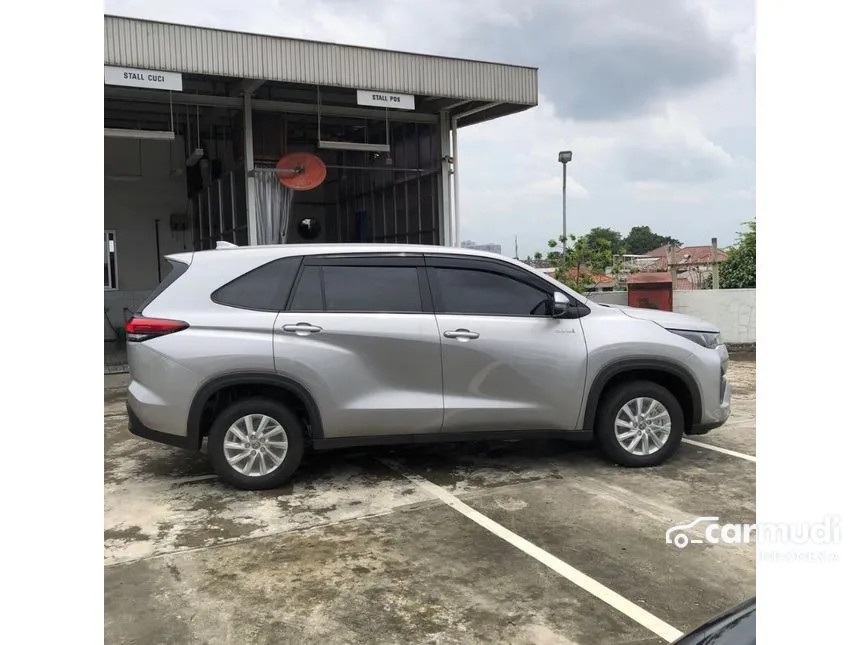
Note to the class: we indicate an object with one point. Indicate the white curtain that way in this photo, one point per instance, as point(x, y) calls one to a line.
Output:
point(274, 201)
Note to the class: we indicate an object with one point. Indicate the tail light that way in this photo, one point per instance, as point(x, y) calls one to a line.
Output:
point(139, 328)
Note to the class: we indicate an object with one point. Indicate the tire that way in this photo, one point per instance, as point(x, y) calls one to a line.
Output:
point(610, 409)
point(259, 478)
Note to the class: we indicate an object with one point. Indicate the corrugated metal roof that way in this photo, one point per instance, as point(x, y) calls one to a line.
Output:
point(198, 50)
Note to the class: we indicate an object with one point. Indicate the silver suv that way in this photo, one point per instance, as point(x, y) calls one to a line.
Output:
point(270, 351)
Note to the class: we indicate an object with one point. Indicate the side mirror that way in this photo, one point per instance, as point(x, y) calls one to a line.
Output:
point(560, 304)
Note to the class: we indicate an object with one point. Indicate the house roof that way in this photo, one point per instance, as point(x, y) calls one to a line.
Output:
point(683, 255)
point(659, 252)
point(683, 284)
point(597, 278)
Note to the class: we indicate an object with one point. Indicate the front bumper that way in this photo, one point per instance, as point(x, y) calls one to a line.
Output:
point(715, 415)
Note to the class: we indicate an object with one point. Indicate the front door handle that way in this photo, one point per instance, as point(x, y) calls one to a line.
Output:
point(302, 329)
point(462, 334)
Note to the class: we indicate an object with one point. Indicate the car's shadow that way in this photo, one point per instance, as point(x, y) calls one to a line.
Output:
point(438, 462)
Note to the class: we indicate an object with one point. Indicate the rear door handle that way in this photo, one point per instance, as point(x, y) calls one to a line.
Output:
point(462, 334)
point(302, 329)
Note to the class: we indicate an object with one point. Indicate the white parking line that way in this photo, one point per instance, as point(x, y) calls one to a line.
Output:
point(584, 582)
point(725, 451)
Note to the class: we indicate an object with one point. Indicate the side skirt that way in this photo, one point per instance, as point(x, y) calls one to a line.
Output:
point(449, 437)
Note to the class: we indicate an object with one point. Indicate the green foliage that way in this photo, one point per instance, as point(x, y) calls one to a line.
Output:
point(599, 233)
point(582, 257)
point(641, 240)
point(738, 271)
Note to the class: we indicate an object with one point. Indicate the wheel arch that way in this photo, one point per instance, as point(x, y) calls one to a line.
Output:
point(666, 372)
point(268, 380)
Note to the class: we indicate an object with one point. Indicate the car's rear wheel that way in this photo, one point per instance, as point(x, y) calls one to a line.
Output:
point(256, 444)
point(639, 423)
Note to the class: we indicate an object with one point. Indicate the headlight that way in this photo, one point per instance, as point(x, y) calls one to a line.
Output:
point(708, 339)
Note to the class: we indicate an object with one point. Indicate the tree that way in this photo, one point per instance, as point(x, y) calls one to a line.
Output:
point(575, 266)
point(616, 241)
point(641, 240)
point(738, 271)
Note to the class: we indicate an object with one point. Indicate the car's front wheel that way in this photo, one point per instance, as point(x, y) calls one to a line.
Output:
point(639, 423)
point(256, 444)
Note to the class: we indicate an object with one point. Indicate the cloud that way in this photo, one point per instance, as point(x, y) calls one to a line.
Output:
point(673, 149)
point(657, 191)
point(603, 60)
point(552, 186)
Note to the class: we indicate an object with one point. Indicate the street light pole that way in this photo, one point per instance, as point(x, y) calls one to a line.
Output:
point(564, 157)
point(564, 203)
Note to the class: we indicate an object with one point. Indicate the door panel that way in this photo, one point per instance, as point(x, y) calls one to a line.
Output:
point(506, 363)
point(518, 374)
point(371, 372)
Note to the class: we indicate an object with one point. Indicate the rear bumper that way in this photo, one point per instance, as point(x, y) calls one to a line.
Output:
point(136, 427)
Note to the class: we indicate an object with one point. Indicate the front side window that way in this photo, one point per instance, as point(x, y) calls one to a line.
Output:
point(358, 289)
point(307, 295)
point(478, 292)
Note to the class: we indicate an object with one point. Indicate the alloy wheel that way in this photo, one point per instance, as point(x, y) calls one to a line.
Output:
point(255, 445)
point(642, 426)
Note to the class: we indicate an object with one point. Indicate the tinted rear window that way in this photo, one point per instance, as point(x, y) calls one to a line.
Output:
point(264, 289)
point(176, 271)
point(371, 289)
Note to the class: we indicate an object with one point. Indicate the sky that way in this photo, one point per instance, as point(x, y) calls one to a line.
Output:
point(656, 99)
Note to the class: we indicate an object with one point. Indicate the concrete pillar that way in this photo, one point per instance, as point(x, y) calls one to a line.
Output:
point(250, 181)
point(445, 213)
point(673, 266)
point(715, 266)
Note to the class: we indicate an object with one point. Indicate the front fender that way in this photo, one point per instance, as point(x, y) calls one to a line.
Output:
point(650, 363)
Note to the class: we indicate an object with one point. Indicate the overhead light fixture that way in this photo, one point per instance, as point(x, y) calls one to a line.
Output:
point(194, 157)
point(157, 135)
point(358, 147)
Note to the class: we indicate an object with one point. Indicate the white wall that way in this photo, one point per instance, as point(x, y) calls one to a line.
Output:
point(608, 297)
point(140, 188)
point(732, 310)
